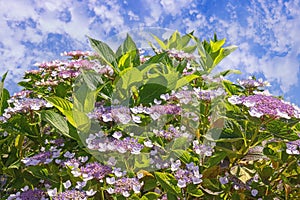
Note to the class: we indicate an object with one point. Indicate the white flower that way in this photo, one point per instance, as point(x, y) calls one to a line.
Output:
point(110, 190)
point(111, 180)
point(254, 113)
point(67, 184)
point(126, 194)
point(136, 119)
point(148, 143)
point(90, 192)
point(181, 183)
point(117, 135)
point(234, 100)
point(52, 193)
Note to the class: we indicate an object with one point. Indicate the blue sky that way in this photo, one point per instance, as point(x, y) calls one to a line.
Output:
point(266, 32)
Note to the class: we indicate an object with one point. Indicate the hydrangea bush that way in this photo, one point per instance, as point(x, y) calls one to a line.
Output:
point(129, 125)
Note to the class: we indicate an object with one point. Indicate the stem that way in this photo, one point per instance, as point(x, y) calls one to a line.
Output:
point(102, 194)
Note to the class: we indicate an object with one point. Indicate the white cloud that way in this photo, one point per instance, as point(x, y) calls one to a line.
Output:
point(174, 7)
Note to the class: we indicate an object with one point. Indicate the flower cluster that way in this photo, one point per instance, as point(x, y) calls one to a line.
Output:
point(87, 171)
point(42, 158)
point(70, 194)
point(23, 104)
point(52, 73)
point(157, 110)
point(177, 54)
point(260, 105)
point(93, 170)
point(202, 149)
point(27, 194)
point(124, 115)
point(123, 185)
point(78, 54)
point(186, 96)
point(293, 147)
point(169, 134)
point(104, 144)
point(157, 159)
point(253, 83)
point(188, 175)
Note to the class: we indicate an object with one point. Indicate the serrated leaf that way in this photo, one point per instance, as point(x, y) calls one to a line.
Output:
point(105, 52)
point(164, 180)
point(57, 121)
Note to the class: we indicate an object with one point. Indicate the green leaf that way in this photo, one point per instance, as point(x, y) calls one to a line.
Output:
point(189, 49)
point(228, 50)
point(172, 42)
point(129, 49)
point(216, 158)
point(4, 95)
point(227, 72)
point(105, 53)
point(183, 155)
point(184, 41)
point(151, 91)
point(160, 42)
point(216, 46)
point(185, 80)
point(150, 196)
point(229, 87)
point(61, 104)
point(194, 191)
point(66, 108)
point(180, 143)
point(57, 121)
point(165, 181)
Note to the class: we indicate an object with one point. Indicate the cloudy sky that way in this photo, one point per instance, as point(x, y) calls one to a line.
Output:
point(266, 32)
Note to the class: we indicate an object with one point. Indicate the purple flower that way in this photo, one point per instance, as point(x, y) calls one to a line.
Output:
point(223, 180)
point(42, 158)
point(169, 134)
point(94, 171)
point(293, 147)
point(254, 192)
point(24, 105)
point(252, 83)
point(70, 194)
point(260, 105)
point(157, 110)
point(105, 144)
point(125, 186)
point(26, 194)
point(78, 54)
point(188, 175)
point(202, 149)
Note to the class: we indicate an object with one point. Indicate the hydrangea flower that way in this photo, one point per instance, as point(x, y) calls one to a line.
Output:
point(260, 105)
point(42, 158)
point(124, 186)
point(70, 194)
point(293, 147)
point(202, 149)
point(188, 175)
point(94, 171)
point(253, 83)
point(24, 105)
point(168, 134)
point(28, 194)
point(105, 144)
